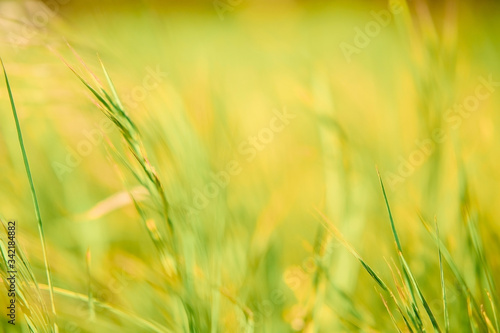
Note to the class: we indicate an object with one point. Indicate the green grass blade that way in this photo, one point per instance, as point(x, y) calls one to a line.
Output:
point(456, 272)
point(111, 85)
point(420, 295)
point(443, 287)
point(400, 250)
point(394, 232)
point(33, 194)
point(412, 282)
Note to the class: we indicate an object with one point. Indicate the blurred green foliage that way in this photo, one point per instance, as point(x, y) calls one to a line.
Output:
point(236, 217)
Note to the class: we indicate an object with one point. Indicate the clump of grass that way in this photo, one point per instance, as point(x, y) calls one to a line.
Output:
point(172, 244)
point(216, 271)
point(481, 315)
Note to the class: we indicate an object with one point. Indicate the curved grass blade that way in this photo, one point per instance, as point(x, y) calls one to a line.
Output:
point(393, 226)
point(400, 250)
point(33, 195)
point(111, 86)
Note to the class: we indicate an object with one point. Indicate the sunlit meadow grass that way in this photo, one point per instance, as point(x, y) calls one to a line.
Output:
point(179, 171)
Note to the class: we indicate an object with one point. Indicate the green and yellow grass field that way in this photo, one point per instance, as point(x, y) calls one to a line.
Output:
point(248, 166)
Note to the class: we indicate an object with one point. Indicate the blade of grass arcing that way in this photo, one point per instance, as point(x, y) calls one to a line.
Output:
point(111, 85)
point(393, 226)
point(406, 268)
point(399, 248)
point(33, 195)
point(409, 285)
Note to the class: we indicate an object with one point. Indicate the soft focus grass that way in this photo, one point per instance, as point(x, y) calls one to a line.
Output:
point(272, 252)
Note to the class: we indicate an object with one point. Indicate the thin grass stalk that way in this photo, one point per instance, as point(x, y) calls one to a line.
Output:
point(33, 195)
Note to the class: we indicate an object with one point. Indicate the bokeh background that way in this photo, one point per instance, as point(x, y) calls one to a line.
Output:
point(409, 88)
